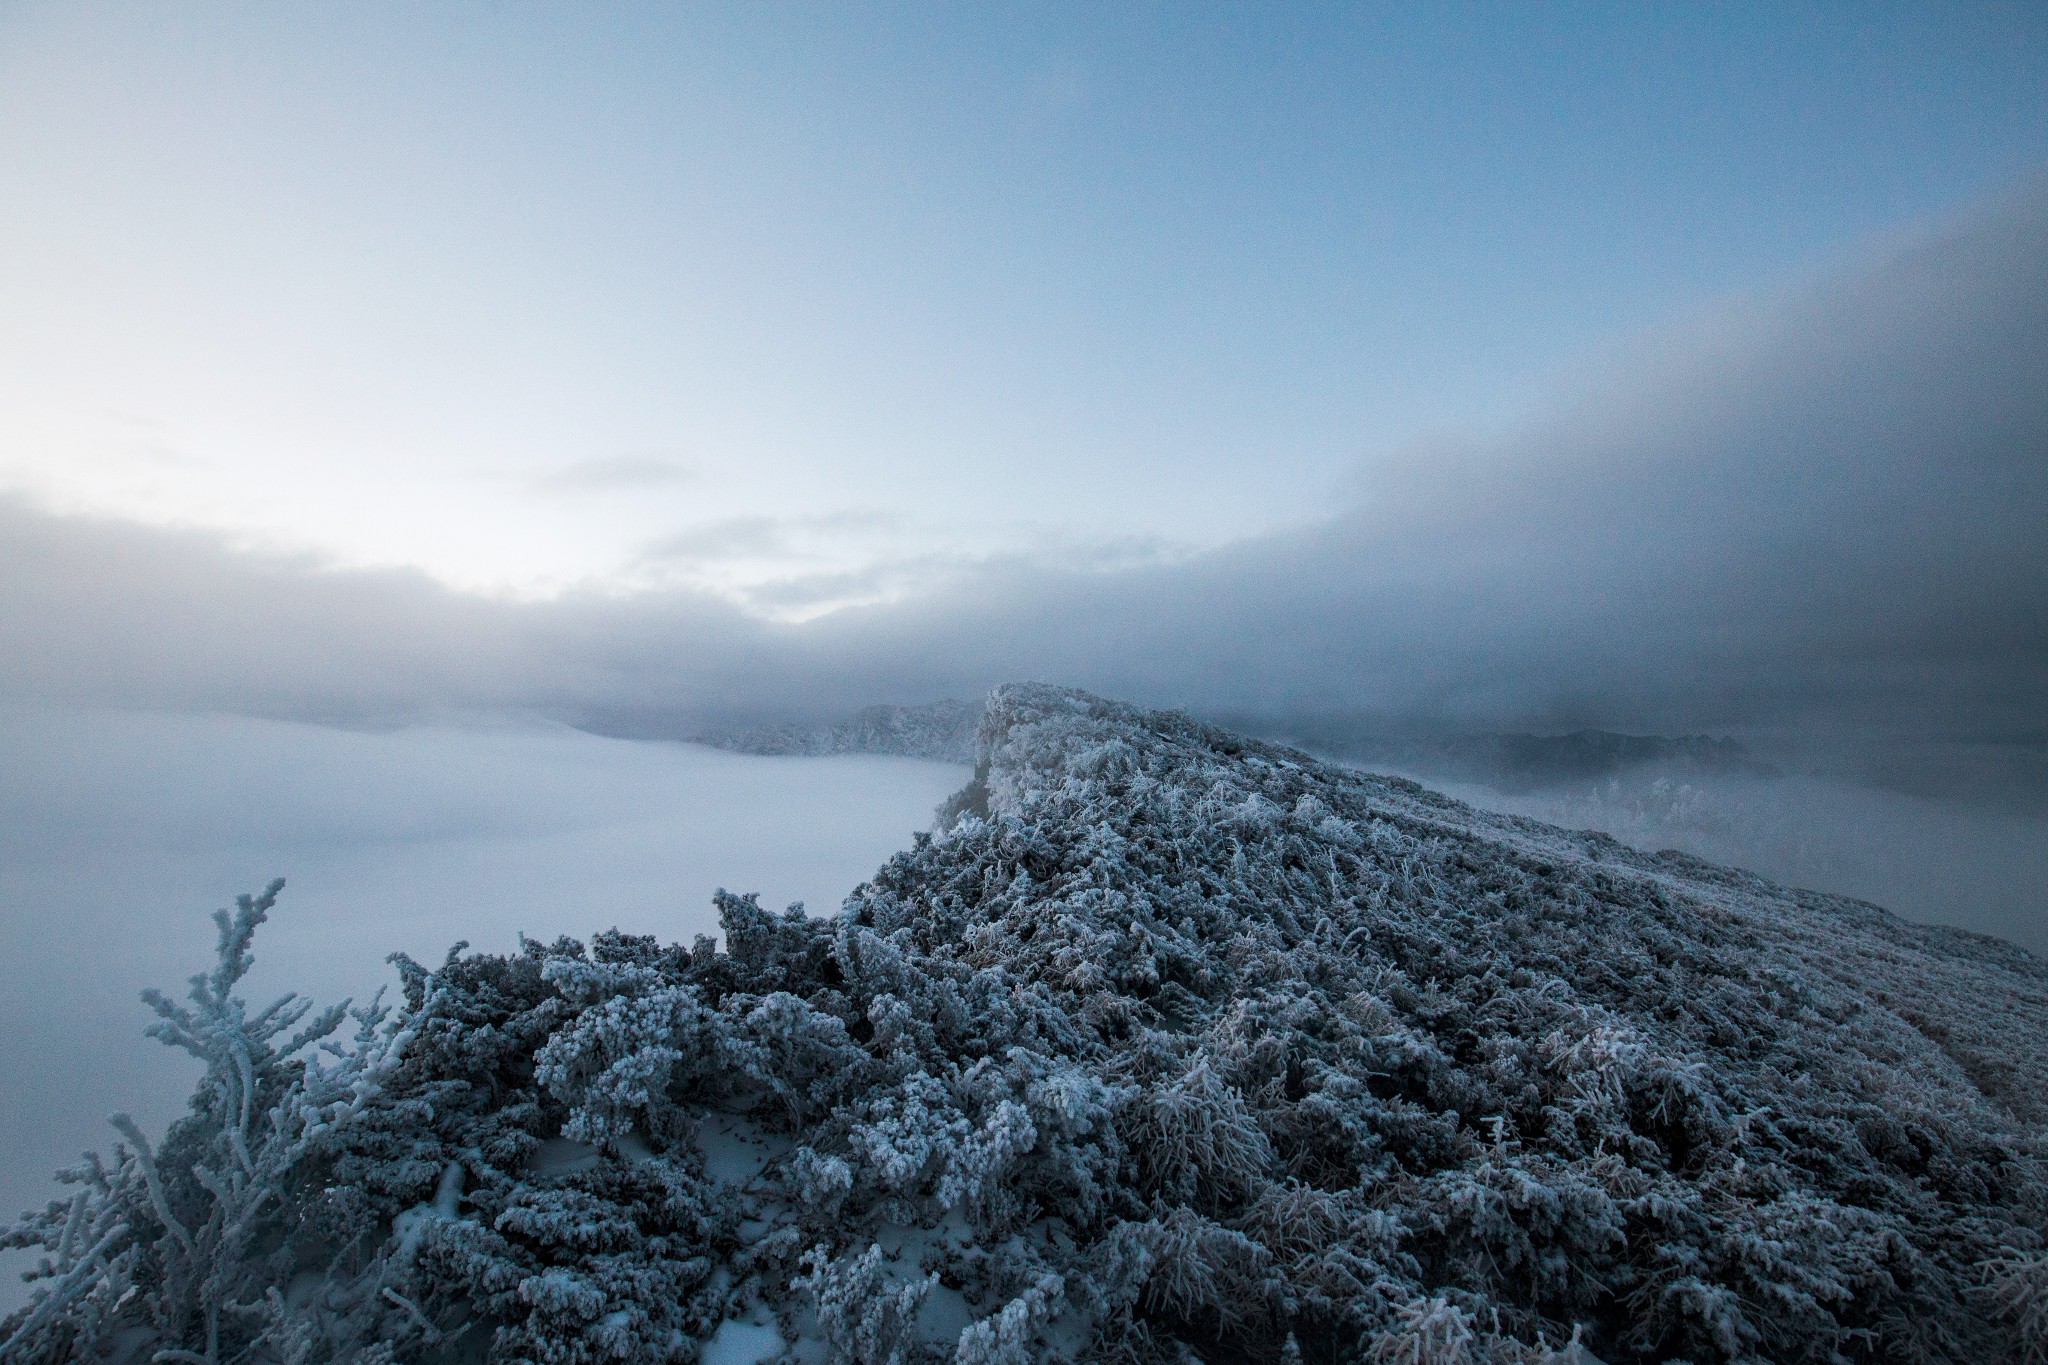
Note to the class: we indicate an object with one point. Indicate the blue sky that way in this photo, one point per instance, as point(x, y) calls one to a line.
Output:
point(806, 305)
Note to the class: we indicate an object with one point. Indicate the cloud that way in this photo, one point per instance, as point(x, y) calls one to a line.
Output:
point(1820, 510)
point(798, 568)
point(1826, 507)
point(119, 831)
point(717, 541)
point(616, 473)
point(770, 538)
point(1945, 861)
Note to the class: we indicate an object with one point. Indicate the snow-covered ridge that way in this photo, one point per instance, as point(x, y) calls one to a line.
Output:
point(1165, 1045)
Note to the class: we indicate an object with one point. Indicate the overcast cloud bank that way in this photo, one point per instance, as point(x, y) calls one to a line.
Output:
point(1820, 511)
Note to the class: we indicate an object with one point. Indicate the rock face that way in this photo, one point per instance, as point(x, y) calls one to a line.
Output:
point(1170, 1045)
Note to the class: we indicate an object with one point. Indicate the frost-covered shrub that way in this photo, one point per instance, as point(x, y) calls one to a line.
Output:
point(2018, 1289)
point(1166, 1045)
point(1205, 1275)
point(866, 1313)
point(180, 1249)
point(1194, 1140)
point(1010, 1337)
point(1429, 1331)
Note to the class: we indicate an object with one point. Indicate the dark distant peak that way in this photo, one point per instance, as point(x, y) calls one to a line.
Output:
point(1517, 761)
point(940, 730)
point(1542, 760)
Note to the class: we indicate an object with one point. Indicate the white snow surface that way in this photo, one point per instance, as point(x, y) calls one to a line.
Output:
point(740, 1342)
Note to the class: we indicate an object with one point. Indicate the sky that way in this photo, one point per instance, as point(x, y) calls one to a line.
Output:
point(799, 307)
point(1472, 369)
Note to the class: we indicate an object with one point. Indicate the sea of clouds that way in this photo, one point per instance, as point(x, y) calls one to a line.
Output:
point(120, 831)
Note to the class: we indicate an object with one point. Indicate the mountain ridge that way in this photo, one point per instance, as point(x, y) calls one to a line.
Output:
point(1167, 1044)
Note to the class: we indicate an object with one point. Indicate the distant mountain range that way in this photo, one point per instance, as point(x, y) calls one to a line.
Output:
point(945, 730)
point(941, 730)
point(1520, 762)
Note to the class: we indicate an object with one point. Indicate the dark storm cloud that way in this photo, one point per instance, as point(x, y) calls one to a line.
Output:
point(1824, 510)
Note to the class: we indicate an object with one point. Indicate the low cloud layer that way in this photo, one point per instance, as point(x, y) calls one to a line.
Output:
point(120, 831)
point(1825, 511)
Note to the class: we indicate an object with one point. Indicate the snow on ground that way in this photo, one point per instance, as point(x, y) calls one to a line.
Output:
point(120, 833)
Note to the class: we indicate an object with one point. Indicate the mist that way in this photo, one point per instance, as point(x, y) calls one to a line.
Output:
point(1929, 860)
point(1820, 509)
point(121, 831)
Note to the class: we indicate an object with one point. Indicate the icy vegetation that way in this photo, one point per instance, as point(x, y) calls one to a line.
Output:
point(940, 730)
point(1165, 1046)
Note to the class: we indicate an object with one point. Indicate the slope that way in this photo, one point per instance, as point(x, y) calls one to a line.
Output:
point(1166, 1045)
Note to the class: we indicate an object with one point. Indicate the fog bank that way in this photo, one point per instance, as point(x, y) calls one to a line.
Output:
point(1822, 509)
point(120, 832)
